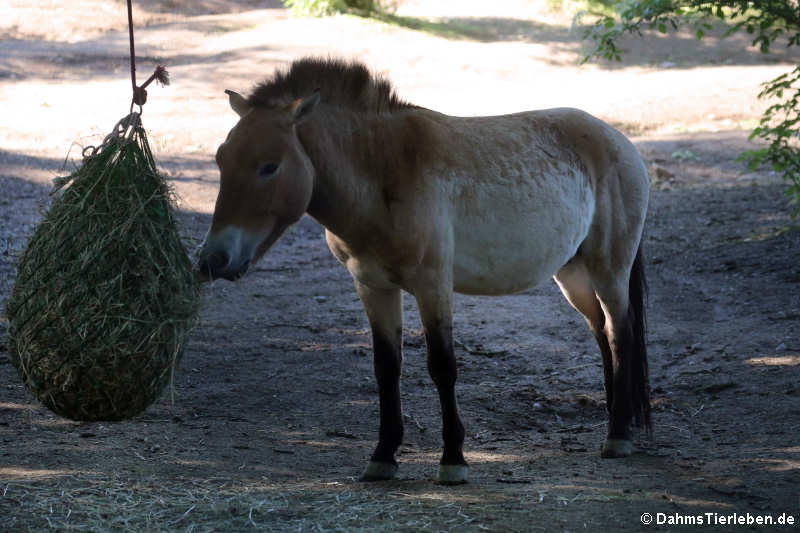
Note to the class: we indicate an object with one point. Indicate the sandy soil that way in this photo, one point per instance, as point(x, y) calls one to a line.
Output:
point(275, 406)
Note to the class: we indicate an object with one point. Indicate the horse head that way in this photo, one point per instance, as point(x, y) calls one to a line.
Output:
point(266, 182)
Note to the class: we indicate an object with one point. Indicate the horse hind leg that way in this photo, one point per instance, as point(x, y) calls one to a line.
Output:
point(574, 281)
point(616, 317)
point(622, 294)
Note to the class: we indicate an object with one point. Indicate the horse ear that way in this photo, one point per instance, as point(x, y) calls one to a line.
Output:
point(238, 103)
point(303, 107)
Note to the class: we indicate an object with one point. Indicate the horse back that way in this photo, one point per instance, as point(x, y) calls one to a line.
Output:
point(506, 200)
point(525, 191)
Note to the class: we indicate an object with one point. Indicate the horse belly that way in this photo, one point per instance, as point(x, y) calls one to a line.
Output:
point(522, 244)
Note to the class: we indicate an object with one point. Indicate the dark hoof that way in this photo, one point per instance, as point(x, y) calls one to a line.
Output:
point(453, 474)
point(613, 448)
point(377, 471)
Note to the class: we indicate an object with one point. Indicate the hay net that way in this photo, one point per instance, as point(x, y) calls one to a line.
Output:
point(105, 294)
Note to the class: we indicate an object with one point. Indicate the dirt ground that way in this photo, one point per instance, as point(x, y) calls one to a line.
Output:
point(274, 412)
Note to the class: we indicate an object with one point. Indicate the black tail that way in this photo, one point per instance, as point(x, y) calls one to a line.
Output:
point(640, 381)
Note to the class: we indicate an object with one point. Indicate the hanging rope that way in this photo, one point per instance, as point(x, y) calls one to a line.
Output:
point(124, 129)
point(160, 74)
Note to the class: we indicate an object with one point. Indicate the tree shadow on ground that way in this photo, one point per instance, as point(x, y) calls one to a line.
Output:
point(674, 50)
point(207, 7)
point(482, 29)
point(106, 56)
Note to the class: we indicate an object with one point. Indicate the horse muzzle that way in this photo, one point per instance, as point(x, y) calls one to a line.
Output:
point(227, 254)
point(218, 265)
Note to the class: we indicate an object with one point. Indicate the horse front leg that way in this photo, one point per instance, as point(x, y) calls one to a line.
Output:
point(436, 314)
point(384, 310)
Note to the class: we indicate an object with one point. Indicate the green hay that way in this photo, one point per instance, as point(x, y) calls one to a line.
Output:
point(105, 294)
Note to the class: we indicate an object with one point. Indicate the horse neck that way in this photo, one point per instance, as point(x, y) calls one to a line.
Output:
point(343, 188)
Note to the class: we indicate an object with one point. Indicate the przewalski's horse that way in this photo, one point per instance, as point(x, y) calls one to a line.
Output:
point(415, 200)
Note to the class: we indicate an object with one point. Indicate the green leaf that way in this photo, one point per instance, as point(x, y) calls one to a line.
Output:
point(662, 27)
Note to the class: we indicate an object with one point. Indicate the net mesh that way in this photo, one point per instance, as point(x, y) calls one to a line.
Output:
point(105, 294)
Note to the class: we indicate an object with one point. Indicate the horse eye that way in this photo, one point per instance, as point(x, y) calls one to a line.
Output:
point(268, 170)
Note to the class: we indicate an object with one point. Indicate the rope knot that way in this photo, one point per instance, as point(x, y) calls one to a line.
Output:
point(139, 96)
point(160, 74)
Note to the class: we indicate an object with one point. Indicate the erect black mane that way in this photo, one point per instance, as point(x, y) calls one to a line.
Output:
point(346, 84)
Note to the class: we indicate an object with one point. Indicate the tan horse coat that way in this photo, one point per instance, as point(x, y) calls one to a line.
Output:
point(415, 200)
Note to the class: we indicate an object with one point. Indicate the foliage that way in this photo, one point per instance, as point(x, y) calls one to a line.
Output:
point(319, 8)
point(316, 8)
point(780, 127)
point(603, 7)
point(767, 21)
